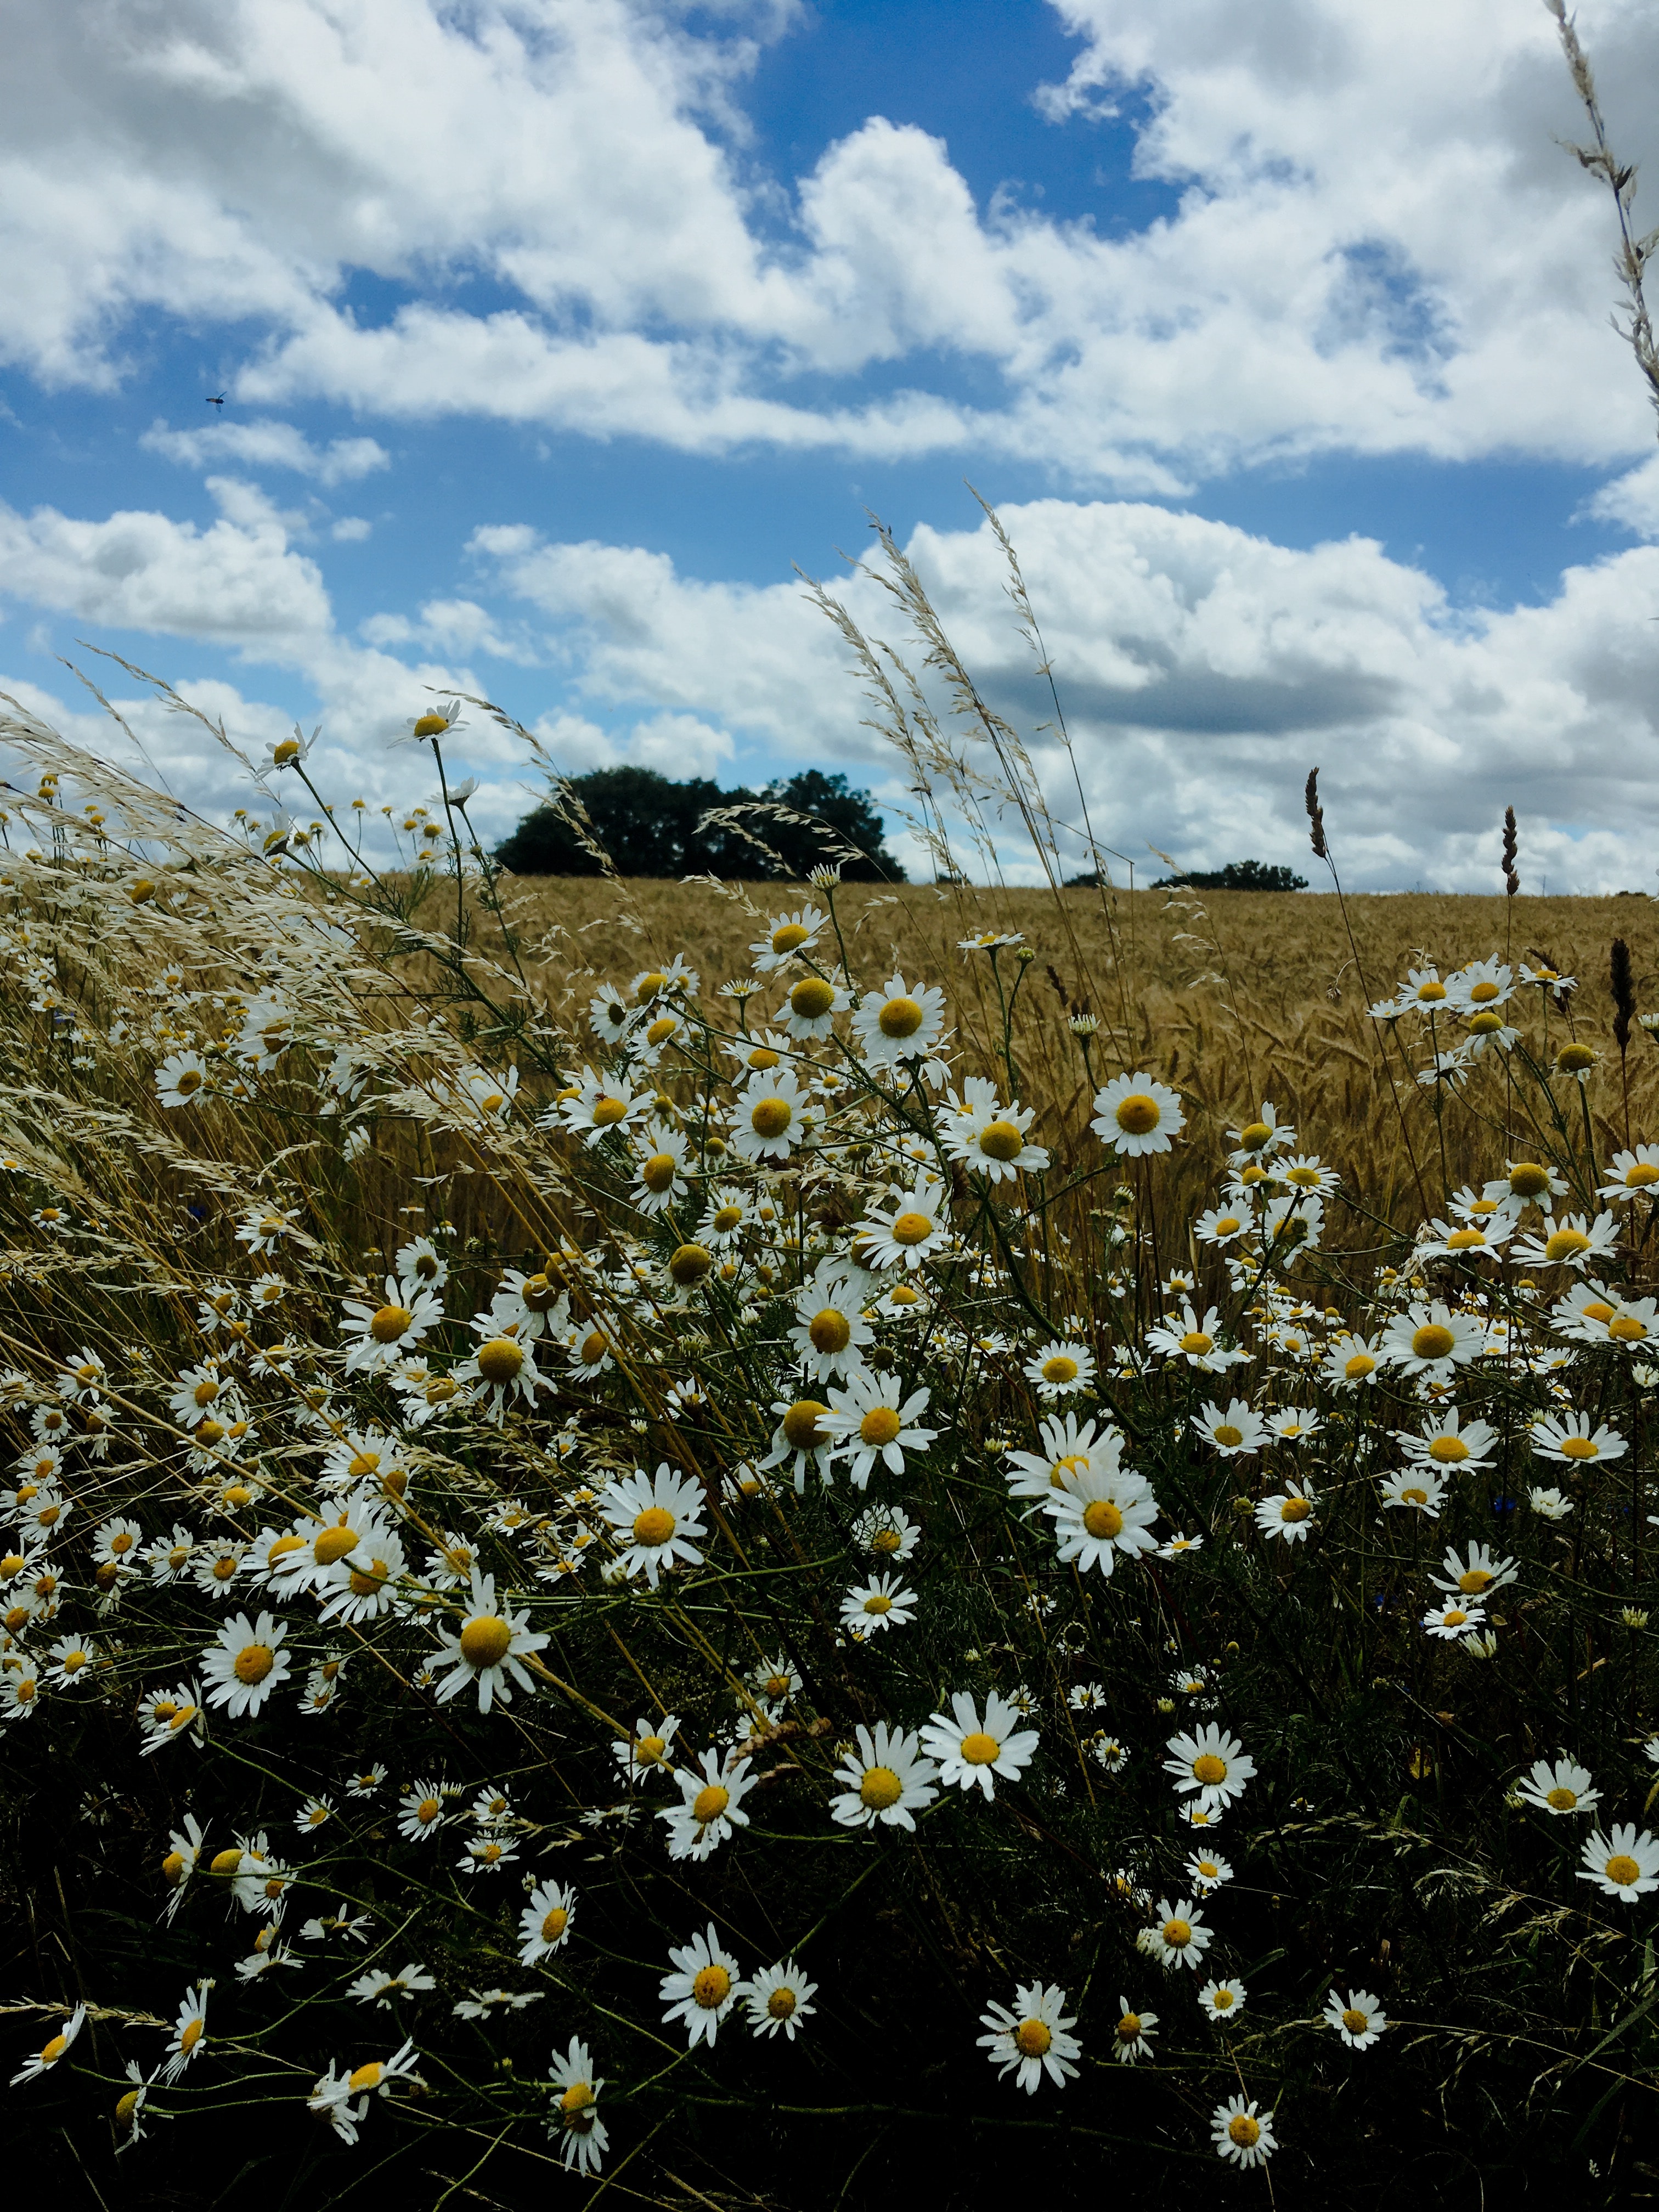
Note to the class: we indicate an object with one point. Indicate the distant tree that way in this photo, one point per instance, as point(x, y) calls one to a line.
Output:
point(649, 825)
point(1236, 875)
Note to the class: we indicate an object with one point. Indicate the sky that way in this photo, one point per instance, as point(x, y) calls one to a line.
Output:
point(554, 336)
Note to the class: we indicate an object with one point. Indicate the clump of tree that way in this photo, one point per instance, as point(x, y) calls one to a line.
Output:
point(1236, 875)
point(648, 824)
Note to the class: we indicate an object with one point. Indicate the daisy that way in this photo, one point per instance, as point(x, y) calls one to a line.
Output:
point(596, 1107)
point(1241, 2132)
point(1222, 1999)
point(364, 1583)
point(886, 1532)
point(1060, 1369)
point(703, 1989)
point(1132, 2037)
point(917, 1228)
point(830, 1331)
point(1210, 1763)
point(727, 1218)
point(1447, 1444)
point(1632, 1175)
point(788, 936)
point(652, 1519)
point(875, 1422)
point(1431, 1339)
point(488, 1647)
point(885, 1779)
point(1099, 1515)
point(545, 1923)
point(1357, 2018)
point(710, 1807)
point(378, 1987)
point(1220, 1224)
point(42, 2061)
point(882, 1602)
point(1460, 1619)
point(384, 1332)
point(769, 1119)
point(182, 1080)
point(992, 1141)
point(659, 1171)
point(171, 1717)
point(1294, 1425)
point(1550, 1504)
point(646, 1751)
point(775, 1681)
point(778, 1997)
point(422, 1811)
point(1180, 1936)
point(1351, 1362)
point(1287, 1514)
point(1032, 2039)
point(1134, 1114)
point(1420, 1489)
point(575, 2118)
point(71, 1662)
point(1236, 1431)
point(504, 1366)
point(334, 2092)
point(1573, 1242)
point(1572, 1440)
point(899, 1022)
point(809, 1011)
point(801, 1436)
point(246, 1663)
point(1565, 1787)
point(972, 1751)
point(1208, 1872)
point(1476, 1575)
point(189, 2032)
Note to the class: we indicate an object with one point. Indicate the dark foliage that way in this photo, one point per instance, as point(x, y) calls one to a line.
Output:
point(650, 826)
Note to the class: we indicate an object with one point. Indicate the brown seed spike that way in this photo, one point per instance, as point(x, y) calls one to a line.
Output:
point(1623, 991)
point(1511, 844)
point(1315, 816)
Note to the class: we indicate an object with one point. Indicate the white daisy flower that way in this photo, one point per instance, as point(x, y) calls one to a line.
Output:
point(1357, 2018)
point(779, 1997)
point(901, 1022)
point(789, 935)
point(1431, 1339)
point(1476, 1574)
point(1134, 1115)
point(42, 2061)
point(882, 1602)
point(710, 1807)
point(246, 1663)
point(917, 1229)
point(875, 1421)
point(1060, 1369)
point(574, 2120)
point(829, 1331)
point(972, 1748)
point(1234, 1432)
point(1287, 1514)
point(1099, 1515)
point(1033, 2039)
point(1180, 1936)
point(886, 1779)
point(771, 1118)
point(1419, 1489)
point(383, 1333)
point(1241, 2132)
point(490, 1646)
point(1133, 2036)
point(1571, 1440)
point(702, 1990)
point(1559, 1788)
point(646, 1751)
point(653, 1520)
point(1210, 1764)
point(1451, 1623)
point(1625, 1865)
point(1222, 1999)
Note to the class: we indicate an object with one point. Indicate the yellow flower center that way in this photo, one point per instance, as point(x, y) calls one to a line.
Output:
point(875, 1603)
point(1223, 2000)
point(226, 1862)
point(649, 985)
point(1453, 1617)
point(1448, 1451)
point(1561, 1799)
point(366, 1581)
point(1197, 1343)
point(1465, 1240)
point(428, 1811)
point(365, 2077)
point(811, 998)
point(1209, 1770)
point(1574, 1059)
point(608, 1111)
point(688, 1264)
point(979, 1749)
point(1032, 2038)
point(1432, 1341)
point(1580, 1448)
point(1059, 1367)
point(1128, 2028)
point(662, 1028)
point(1626, 1328)
point(126, 2106)
point(708, 1804)
point(333, 1544)
point(654, 1525)
point(712, 1988)
point(659, 1172)
point(1253, 1136)
point(426, 725)
point(595, 1347)
point(783, 2004)
point(500, 1360)
point(1225, 1433)
point(1241, 2129)
point(800, 1425)
point(1472, 1581)
point(770, 1117)
point(1357, 1369)
point(727, 1219)
point(252, 1663)
point(1566, 1244)
point(1413, 1495)
point(1294, 1510)
point(554, 1924)
point(900, 1017)
point(1487, 1025)
point(879, 1426)
point(1177, 1934)
point(1001, 1140)
point(1622, 1870)
point(830, 1330)
point(1642, 1176)
point(788, 936)
point(1229, 1225)
point(1429, 993)
point(879, 1788)
point(389, 1323)
point(1102, 1519)
point(484, 1640)
point(1137, 1114)
point(1483, 993)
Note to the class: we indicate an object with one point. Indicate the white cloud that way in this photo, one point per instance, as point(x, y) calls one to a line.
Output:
point(1373, 242)
point(1631, 501)
point(268, 445)
point(1203, 672)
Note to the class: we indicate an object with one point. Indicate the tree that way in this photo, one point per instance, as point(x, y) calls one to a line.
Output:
point(1236, 875)
point(650, 825)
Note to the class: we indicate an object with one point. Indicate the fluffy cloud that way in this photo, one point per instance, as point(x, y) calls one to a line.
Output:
point(1372, 242)
point(1203, 672)
point(268, 445)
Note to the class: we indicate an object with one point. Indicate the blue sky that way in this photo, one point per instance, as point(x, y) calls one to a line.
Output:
point(553, 333)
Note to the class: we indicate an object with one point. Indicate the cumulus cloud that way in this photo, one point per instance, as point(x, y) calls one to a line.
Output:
point(1371, 241)
point(270, 445)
